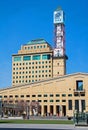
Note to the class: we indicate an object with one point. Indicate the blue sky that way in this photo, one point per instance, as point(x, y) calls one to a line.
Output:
point(25, 20)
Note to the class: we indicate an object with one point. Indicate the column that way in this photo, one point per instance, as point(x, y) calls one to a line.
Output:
point(54, 110)
point(42, 110)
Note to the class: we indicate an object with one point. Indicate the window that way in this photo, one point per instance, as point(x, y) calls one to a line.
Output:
point(36, 57)
point(17, 58)
point(76, 94)
point(83, 105)
point(63, 100)
point(25, 58)
point(69, 95)
point(16, 96)
point(57, 100)
point(39, 100)
point(45, 95)
point(5, 96)
point(51, 95)
point(51, 101)
point(27, 95)
point(79, 85)
point(22, 96)
point(63, 95)
point(69, 104)
point(57, 95)
point(46, 57)
point(11, 96)
point(39, 95)
point(45, 100)
point(33, 95)
point(77, 105)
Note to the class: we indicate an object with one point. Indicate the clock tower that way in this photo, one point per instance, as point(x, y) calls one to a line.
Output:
point(59, 55)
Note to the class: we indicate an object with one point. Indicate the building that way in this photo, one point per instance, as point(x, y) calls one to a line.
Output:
point(57, 96)
point(39, 74)
point(35, 62)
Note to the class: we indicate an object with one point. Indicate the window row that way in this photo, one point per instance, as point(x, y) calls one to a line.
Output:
point(34, 57)
point(31, 76)
point(34, 47)
point(31, 63)
point(37, 71)
point(39, 95)
point(22, 68)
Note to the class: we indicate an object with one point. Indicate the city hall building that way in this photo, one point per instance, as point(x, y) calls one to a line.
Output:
point(39, 74)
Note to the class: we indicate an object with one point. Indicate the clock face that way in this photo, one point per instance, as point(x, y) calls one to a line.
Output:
point(58, 16)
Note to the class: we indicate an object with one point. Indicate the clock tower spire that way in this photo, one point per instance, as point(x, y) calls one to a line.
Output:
point(59, 54)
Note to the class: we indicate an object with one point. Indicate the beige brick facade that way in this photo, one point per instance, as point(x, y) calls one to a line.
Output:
point(58, 96)
point(35, 62)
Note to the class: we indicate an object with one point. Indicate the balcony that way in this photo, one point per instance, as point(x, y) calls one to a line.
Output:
point(79, 90)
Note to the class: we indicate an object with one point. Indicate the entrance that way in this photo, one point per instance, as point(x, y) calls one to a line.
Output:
point(45, 110)
point(51, 110)
point(58, 110)
point(64, 110)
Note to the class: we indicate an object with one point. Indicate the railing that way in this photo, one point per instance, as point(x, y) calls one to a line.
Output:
point(77, 90)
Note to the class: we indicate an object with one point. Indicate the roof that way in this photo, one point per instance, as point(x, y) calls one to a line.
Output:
point(37, 41)
point(41, 81)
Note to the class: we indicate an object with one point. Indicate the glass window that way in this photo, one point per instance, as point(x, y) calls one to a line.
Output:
point(39, 100)
point(25, 58)
point(39, 95)
point(22, 96)
point(57, 100)
point(69, 104)
point(5, 96)
point(17, 58)
point(33, 95)
point(51, 95)
point(51, 101)
point(16, 96)
point(79, 85)
point(63, 100)
point(46, 57)
point(36, 57)
point(77, 105)
point(63, 95)
point(27, 95)
point(69, 95)
point(45, 95)
point(45, 100)
point(83, 105)
point(57, 95)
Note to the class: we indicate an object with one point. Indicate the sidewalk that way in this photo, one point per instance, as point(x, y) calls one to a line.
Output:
point(43, 126)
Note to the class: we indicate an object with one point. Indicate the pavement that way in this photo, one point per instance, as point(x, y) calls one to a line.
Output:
point(44, 126)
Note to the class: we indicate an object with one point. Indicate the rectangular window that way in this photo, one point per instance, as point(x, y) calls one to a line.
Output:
point(77, 105)
point(69, 95)
point(51, 100)
point(51, 95)
point(57, 100)
point(39, 95)
point(63, 100)
point(17, 58)
point(83, 105)
point(63, 95)
point(79, 85)
point(57, 95)
point(46, 57)
point(45, 95)
point(69, 104)
point(26, 58)
point(36, 57)
point(33, 95)
point(45, 100)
